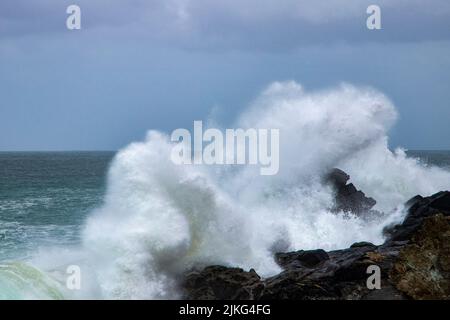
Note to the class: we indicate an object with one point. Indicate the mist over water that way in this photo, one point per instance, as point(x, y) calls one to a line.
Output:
point(159, 219)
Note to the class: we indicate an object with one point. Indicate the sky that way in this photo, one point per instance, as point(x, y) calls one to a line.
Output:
point(143, 64)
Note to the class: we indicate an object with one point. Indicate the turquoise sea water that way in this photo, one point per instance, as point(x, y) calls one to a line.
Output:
point(45, 197)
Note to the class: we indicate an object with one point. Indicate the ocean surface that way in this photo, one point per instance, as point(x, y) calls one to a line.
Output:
point(45, 197)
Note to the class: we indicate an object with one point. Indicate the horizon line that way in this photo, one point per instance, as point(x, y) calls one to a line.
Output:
point(49, 151)
point(111, 150)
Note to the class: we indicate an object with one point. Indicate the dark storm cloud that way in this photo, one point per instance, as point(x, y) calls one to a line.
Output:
point(232, 24)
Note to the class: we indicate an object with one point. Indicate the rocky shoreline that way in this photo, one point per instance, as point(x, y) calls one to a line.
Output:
point(414, 261)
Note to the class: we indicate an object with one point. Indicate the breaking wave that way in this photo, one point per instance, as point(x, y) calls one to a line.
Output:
point(160, 219)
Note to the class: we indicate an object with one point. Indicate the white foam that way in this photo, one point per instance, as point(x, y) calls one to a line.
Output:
point(160, 219)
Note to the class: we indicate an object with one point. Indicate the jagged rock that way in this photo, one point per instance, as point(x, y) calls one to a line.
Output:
point(415, 265)
point(222, 283)
point(418, 209)
point(302, 258)
point(341, 276)
point(362, 244)
point(348, 198)
point(338, 178)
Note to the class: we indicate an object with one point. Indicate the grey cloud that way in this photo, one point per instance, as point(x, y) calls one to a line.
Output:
point(233, 24)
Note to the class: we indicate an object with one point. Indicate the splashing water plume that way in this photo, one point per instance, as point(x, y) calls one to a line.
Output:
point(159, 219)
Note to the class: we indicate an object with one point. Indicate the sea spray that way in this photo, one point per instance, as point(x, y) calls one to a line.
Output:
point(160, 220)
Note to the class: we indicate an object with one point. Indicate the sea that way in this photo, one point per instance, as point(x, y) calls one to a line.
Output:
point(46, 196)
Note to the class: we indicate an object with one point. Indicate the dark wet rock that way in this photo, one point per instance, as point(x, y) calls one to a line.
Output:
point(302, 258)
point(342, 276)
point(441, 202)
point(418, 209)
point(414, 264)
point(413, 200)
point(348, 198)
point(222, 283)
point(362, 244)
point(337, 178)
point(307, 275)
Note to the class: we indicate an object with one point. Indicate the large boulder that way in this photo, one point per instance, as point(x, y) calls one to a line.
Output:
point(347, 197)
point(309, 259)
point(418, 209)
point(222, 283)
